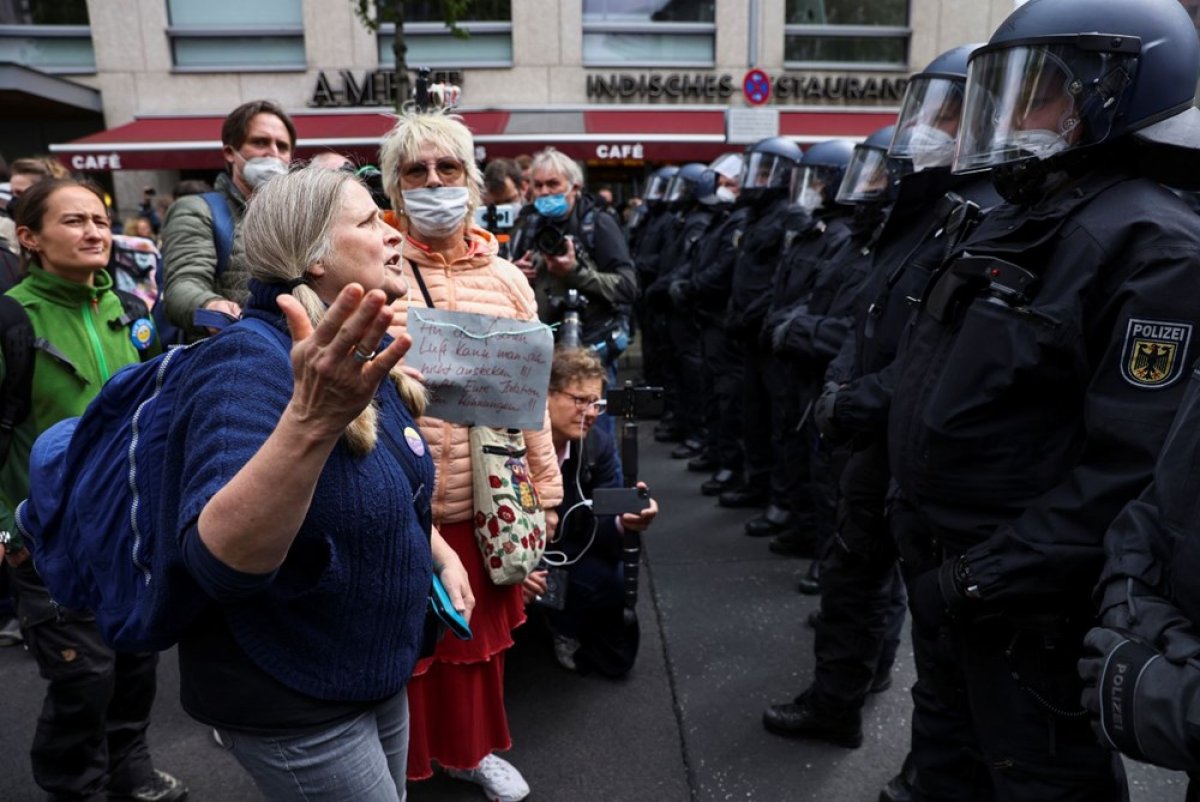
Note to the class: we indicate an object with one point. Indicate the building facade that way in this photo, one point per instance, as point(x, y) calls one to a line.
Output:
point(622, 85)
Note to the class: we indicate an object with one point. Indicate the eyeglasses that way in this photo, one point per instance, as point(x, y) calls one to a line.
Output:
point(447, 169)
point(598, 405)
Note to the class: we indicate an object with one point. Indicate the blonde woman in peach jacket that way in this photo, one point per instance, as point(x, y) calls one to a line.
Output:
point(456, 697)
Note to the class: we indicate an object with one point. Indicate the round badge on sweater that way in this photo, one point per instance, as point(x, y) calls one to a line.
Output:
point(415, 443)
point(141, 333)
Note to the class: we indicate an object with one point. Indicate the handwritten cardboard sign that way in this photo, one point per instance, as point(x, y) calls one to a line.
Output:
point(482, 370)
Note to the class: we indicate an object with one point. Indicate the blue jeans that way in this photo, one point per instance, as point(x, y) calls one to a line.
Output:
point(361, 758)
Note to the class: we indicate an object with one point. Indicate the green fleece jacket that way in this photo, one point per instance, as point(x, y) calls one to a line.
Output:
point(74, 320)
point(190, 256)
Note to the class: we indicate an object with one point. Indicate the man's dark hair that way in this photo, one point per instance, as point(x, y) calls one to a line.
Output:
point(497, 171)
point(233, 130)
point(191, 186)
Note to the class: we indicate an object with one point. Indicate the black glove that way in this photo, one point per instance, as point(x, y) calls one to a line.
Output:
point(825, 414)
point(1142, 702)
point(935, 597)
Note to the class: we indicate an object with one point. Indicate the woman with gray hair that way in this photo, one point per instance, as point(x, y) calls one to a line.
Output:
point(456, 698)
point(303, 504)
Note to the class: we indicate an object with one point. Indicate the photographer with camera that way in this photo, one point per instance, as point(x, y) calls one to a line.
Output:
point(583, 590)
point(577, 246)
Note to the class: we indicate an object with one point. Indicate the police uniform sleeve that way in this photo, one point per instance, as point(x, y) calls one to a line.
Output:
point(1146, 304)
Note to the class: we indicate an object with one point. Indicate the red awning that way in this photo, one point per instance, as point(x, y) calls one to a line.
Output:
point(589, 133)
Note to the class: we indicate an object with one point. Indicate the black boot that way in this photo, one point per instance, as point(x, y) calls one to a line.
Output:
point(689, 448)
point(794, 543)
point(744, 496)
point(900, 787)
point(721, 481)
point(773, 521)
point(810, 583)
point(802, 719)
point(703, 463)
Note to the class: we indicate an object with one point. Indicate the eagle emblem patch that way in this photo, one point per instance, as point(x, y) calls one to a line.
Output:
point(1155, 352)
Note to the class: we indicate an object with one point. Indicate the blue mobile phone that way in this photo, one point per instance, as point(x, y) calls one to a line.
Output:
point(439, 600)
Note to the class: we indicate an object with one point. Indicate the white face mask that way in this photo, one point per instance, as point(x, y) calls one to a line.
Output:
point(260, 169)
point(726, 195)
point(436, 211)
point(930, 147)
point(1038, 142)
point(811, 199)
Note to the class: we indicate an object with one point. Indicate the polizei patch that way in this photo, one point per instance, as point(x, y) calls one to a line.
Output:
point(1155, 352)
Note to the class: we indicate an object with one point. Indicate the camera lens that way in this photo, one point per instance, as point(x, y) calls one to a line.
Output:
point(550, 241)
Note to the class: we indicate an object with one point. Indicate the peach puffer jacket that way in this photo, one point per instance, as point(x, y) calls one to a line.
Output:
point(483, 283)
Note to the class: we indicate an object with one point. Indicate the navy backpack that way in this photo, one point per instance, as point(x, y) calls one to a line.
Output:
point(223, 233)
point(93, 515)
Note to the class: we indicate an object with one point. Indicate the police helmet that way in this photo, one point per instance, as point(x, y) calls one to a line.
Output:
point(1063, 75)
point(729, 165)
point(815, 182)
point(656, 190)
point(871, 176)
point(769, 164)
point(929, 117)
point(707, 186)
point(683, 185)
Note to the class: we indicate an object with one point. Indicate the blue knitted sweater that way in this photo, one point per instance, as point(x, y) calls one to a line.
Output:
point(341, 619)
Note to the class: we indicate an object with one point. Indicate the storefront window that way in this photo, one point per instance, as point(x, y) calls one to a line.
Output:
point(863, 34)
point(488, 24)
point(48, 35)
point(236, 36)
point(649, 33)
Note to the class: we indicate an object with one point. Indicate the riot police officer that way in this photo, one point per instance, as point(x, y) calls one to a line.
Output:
point(1035, 387)
point(862, 597)
point(765, 184)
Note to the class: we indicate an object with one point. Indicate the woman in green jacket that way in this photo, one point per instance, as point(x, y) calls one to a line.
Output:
point(90, 739)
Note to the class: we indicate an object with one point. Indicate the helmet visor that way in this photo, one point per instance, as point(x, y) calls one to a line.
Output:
point(928, 122)
point(811, 185)
point(767, 171)
point(657, 189)
point(867, 177)
point(679, 189)
point(1037, 101)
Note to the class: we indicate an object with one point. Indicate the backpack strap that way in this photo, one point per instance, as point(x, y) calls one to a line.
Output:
point(16, 391)
point(134, 309)
point(222, 229)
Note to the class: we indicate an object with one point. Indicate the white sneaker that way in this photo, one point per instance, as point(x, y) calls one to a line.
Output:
point(498, 778)
point(564, 651)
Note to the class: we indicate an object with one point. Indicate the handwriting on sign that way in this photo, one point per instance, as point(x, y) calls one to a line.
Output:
point(482, 370)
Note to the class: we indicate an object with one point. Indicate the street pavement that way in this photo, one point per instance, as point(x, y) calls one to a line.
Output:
point(723, 636)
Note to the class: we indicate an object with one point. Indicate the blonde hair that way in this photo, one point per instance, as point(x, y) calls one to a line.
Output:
point(288, 227)
point(575, 364)
point(411, 132)
point(554, 159)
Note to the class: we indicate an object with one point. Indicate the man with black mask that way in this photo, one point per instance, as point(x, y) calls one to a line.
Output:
point(765, 184)
point(1036, 385)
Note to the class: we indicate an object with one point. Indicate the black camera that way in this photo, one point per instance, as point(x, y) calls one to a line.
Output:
point(635, 402)
point(570, 332)
point(550, 239)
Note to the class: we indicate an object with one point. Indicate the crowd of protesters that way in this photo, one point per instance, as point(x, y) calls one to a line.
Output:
point(947, 366)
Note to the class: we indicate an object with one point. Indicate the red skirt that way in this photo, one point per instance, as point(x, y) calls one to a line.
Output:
point(456, 697)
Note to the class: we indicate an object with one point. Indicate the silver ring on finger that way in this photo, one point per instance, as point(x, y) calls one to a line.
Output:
point(361, 355)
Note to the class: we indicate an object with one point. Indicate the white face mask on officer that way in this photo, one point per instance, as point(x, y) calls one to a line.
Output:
point(930, 147)
point(436, 211)
point(260, 169)
point(1038, 142)
point(726, 195)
